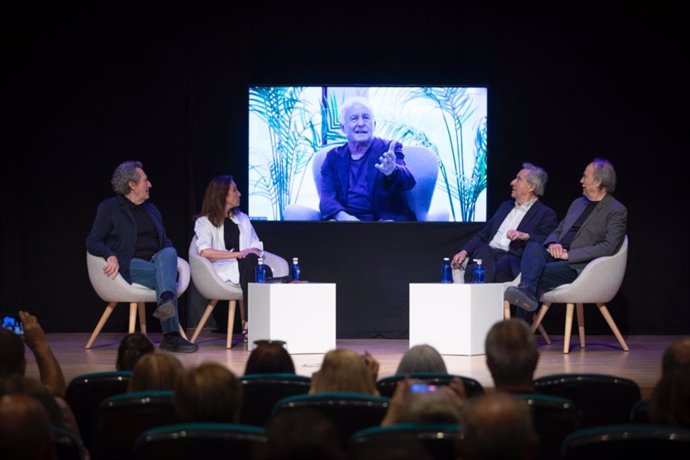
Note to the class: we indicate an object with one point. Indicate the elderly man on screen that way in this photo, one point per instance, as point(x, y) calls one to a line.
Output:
point(365, 178)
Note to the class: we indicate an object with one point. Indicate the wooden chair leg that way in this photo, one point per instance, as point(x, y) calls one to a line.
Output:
point(101, 322)
point(231, 322)
point(204, 318)
point(569, 308)
point(506, 309)
point(580, 323)
point(182, 332)
point(543, 333)
point(132, 316)
point(142, 317)
point(612, 324)
point(540, 316)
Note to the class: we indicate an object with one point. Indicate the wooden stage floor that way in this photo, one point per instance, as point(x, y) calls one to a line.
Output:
point(602, 355)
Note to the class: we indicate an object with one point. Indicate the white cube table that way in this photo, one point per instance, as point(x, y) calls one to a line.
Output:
point(454, 318)
point(301, 314)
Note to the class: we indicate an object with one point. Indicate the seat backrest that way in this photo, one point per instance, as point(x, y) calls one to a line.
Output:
point(422, 163)
point(120, 420)
point(350, 412)
point(206, 441)
point(627, 441)
point(262, 391)
point(119, 290)
point(386, 385)
point(85, 393)
point(438, 439)
point(640, 412)
point(67, 445)
point(212, 287)
point(598, 282)
point(554, 419)
point(602, 399)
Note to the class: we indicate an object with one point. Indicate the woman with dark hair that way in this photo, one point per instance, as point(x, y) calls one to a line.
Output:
point(132, 347)
point(269, 358)
point(226, 237)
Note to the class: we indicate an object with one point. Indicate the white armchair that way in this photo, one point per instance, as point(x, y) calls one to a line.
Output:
point(118, 290)
point(598, 284)
point(214, 289)
point(422, 162)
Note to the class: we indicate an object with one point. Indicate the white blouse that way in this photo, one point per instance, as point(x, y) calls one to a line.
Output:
point(211, 237)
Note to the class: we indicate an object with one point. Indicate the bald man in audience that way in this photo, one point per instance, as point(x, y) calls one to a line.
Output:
point(497, 426)
point(25, 429)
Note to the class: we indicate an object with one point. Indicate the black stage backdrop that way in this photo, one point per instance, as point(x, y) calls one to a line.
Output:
point(87, 88)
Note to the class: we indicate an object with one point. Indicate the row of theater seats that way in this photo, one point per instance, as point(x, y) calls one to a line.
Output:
point(112, 421)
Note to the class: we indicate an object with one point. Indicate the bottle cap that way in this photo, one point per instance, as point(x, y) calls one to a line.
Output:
point(446, 258)
point(478, 261)
point(295, 259)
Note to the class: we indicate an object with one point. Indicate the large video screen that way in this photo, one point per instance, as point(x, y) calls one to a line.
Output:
point(303, 164)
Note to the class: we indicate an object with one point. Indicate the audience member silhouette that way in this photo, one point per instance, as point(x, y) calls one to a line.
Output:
point(497, 426)
point(670, 401)
point(421, 358)
point(25, 429)
point(435, 404)
point(269, 357)
point(13, 360)
point(209, 392)
point(132, 347)
point(155, 371)
point(302, 435)
point(343, 370)
point(511, 356)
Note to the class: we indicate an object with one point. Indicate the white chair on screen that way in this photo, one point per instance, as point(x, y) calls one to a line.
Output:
point(213, 288)
point(116, 290)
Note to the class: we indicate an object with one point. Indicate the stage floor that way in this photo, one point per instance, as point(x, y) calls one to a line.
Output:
point(602, 355)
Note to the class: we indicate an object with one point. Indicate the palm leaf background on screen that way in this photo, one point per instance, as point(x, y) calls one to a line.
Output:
point(457, 107)
point(297, 131)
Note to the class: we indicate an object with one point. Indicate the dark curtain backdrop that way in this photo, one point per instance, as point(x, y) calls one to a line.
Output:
point(88, 88)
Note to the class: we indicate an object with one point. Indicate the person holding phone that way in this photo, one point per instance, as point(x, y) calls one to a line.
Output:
point(364, 179)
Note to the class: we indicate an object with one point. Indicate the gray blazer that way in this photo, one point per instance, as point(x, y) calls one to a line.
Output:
point(600, 235)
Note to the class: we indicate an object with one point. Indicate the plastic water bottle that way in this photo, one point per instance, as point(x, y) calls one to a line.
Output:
point(446, 271)
point(295, 270)
point(478, 271)
point(260, 271)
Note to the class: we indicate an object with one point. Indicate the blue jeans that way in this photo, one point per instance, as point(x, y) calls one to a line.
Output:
point(541, 272)
point(160, 273)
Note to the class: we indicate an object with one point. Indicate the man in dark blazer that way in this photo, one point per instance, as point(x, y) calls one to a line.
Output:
point(364, 179)
point(128, 233)
point(594, 226)
point(501, 242)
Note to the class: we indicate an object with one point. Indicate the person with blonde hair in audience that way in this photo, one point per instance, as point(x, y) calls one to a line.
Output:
point(155, 371)
point(209, 392)
point(343, 370)
point(497, 426)
point(421, 358)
